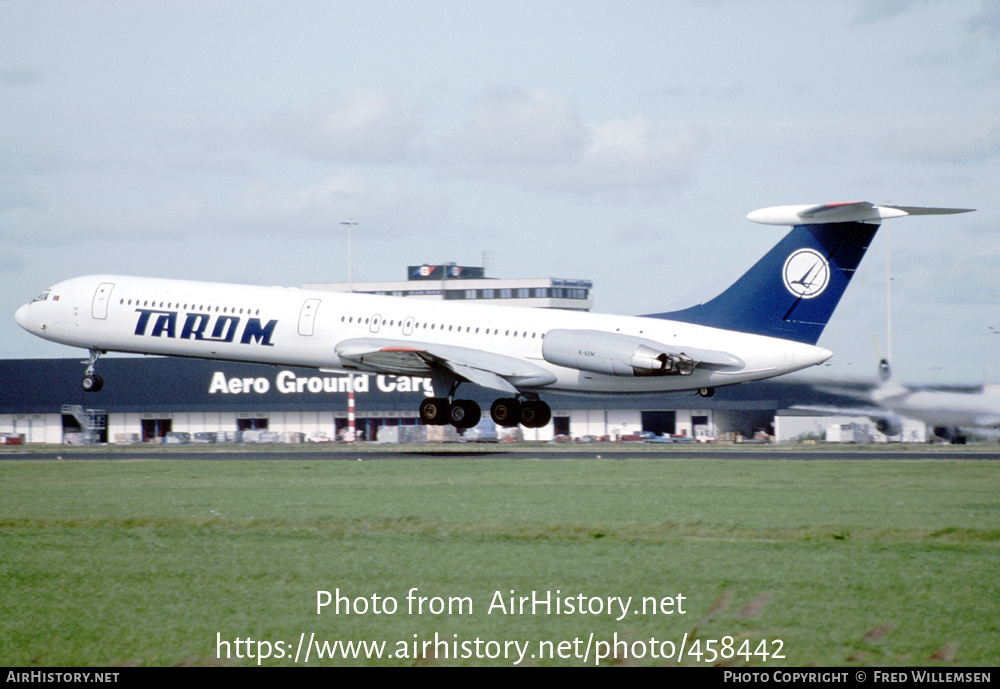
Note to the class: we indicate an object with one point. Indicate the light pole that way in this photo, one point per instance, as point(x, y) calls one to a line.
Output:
point(352, 431)
point(992, 330)
point(888, 297)
point(350, 268)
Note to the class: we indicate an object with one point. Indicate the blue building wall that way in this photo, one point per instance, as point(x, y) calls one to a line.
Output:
point(149, 384)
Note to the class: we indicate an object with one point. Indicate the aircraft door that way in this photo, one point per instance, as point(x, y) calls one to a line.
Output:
point(408, 325)
point(99, 310)
point(307, 317)
point(376, 323)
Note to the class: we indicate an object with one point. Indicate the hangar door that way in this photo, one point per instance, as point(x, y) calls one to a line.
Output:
point(659, 422)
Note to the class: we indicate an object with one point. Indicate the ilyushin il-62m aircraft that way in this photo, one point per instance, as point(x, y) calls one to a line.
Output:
point(765, 324)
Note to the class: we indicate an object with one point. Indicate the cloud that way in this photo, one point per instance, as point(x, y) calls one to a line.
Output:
point(365, 126)
point(10, 260)
point(984, 28)
point(531, 139)
point(19, 171)
point(955, 281)
point(871, 11)
point(971, 141)
point(384, 210)
point(513, 126)
point(634, 154)
point(535, 139)
point(312, 207)
point(973, 51)
point(986, 23)
point(19, 77)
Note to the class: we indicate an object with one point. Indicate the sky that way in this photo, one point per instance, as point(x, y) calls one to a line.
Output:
point(622, 143)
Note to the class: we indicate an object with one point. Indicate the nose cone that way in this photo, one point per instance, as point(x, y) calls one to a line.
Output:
point(21, 316)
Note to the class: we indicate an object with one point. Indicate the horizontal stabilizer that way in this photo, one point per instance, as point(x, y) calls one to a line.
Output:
point(861, 211)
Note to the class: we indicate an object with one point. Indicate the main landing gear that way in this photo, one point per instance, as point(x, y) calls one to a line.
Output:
point(509, 412)
point(91, 381)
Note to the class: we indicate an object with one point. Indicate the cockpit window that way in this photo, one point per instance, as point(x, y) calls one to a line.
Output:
point(43, 296)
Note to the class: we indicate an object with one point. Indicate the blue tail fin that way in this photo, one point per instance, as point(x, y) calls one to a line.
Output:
point(793, 290)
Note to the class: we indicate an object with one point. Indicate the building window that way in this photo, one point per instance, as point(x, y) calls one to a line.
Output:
point(251, 424)
point(155, 428)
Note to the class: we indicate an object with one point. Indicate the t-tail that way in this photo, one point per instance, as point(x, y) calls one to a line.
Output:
point(792, 292)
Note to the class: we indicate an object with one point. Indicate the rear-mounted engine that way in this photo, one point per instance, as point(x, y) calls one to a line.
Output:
point(613, 354)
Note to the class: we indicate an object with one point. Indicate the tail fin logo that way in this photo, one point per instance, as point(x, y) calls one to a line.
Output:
point(806, 273)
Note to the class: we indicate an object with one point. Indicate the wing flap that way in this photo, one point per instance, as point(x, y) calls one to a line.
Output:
point(486, 379)
point(490, 370)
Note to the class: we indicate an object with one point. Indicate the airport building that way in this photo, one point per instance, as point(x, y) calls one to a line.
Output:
point(450, 282)
point(155, 399)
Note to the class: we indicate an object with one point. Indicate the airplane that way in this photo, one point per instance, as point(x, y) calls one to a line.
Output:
point(949, 414)
point(766, 324)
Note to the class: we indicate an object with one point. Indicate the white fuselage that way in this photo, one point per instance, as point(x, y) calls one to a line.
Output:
point(288, 326)
point(939, 408)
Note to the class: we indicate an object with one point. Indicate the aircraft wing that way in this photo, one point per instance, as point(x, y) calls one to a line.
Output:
point(490, 370)
point(986, 421)
point(832, 410)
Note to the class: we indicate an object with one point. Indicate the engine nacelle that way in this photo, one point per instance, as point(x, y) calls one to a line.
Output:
point(613, 354)
point(889, 425)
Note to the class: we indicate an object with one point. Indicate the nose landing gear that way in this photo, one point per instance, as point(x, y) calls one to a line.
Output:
point(91, 381)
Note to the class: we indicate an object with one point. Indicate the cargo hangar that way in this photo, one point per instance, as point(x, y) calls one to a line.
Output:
point(158, 399)
point(155, 399)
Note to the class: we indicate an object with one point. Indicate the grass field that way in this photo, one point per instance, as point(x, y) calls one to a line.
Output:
point(152, 562)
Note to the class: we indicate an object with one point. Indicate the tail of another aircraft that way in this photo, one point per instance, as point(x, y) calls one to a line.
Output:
point(884, 371)
point(792, 291)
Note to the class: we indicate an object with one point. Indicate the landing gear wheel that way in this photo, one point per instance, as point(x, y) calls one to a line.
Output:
point(464, 414)
point(506, 412)
point(706, 392)
point(91, 381)
point(535, 414)
point(434, 411)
